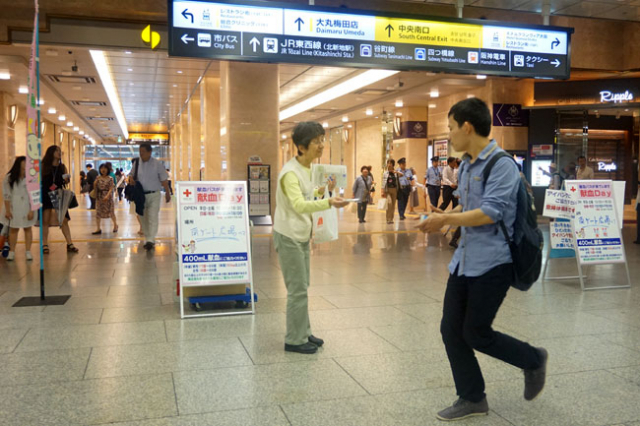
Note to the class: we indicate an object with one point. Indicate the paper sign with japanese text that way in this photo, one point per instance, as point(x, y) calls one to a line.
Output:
point(561, 235)
point(213, 233)
point(558, 204)
point(597, 232)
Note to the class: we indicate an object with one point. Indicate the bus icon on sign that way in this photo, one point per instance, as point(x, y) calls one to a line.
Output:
point(204, 40)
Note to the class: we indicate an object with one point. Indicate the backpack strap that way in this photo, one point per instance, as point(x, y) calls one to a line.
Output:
point(485, 176)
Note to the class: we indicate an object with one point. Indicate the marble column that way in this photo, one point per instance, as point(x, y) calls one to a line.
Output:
point(210, 114)
point(249, 118)
point(195, 136)
point(185, 173)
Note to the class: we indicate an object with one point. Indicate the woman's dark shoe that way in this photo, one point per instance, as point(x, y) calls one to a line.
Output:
point(115, 230)
point(72, 249)
point(97, 232)
point(316, 340)
point(305, 348)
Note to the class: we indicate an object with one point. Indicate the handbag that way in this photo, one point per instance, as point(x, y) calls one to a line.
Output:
point(325, 226)
point(93, 193)
point(382, 204)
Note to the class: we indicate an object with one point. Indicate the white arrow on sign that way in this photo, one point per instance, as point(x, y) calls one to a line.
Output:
point(556, 63)
point(186, 39)
point(255, 43)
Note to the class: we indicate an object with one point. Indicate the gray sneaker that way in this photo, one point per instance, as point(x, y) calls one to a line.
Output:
point(534, 379)
point(462, 409)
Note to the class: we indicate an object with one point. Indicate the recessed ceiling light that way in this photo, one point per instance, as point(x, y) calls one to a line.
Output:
point(179, 72)
point(171, 96)
point(130, 84)
point(481, 77)
point(399, 103)
point(5, 75)
point(52, 110)
point(345, 119)
point(432, 105)
point(434, 93)
point(470, 96)
point(23, 90)
point(61, 117)
point(76, 128)
point(399, 114)
point(128, 52)
point(175, 85)
point(41, 102)
point(69, 123)
point(284, 137)
point(369, 111)
point(349, 126)
point(129, 69)
point(81, 132)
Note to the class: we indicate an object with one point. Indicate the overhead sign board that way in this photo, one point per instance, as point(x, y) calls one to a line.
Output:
point(253, 31)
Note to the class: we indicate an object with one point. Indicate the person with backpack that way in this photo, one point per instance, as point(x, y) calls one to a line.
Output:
point(487, 262)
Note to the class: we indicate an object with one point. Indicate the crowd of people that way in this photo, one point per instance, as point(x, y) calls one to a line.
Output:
point(105, 188)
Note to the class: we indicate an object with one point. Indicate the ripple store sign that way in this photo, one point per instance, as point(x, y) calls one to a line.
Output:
point(607, 96)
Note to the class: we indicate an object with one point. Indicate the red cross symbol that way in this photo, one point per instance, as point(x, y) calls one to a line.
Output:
point(573, 189)
point(187, 193)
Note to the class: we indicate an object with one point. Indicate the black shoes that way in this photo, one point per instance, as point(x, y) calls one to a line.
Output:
point(149, 246)
point(305, 348)
point(316, 340)
point(96, 232)
point(311, 347)
point(534, 379)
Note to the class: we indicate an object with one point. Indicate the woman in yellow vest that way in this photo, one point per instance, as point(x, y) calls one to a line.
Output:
point(292, 231)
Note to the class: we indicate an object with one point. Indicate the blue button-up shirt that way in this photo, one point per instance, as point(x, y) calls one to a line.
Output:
point(482, 248)
point(434, 176)
point(404, 176)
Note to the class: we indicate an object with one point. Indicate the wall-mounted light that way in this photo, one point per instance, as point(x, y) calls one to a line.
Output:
point(12, 116)
point(43, 129)
point(61, 137)
point(345, 134)
point(397, 125)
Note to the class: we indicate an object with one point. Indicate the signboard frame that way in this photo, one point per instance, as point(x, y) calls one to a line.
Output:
point(174, 40)
point(183, 284)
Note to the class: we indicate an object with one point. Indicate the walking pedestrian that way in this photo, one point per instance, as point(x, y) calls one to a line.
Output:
point(92, 175)
point(433, 182)
point(361, 190)
point(390, 187)
point(449, 184)
point(104, 199)
point(292, 231)
point(17, 207)
point(404, 191)
point(153, 177)
point(481, 270)
point(54, 176)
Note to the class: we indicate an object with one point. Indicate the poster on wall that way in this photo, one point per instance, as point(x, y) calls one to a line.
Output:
point(213, 233)
point(441, 148)
point(510, 115)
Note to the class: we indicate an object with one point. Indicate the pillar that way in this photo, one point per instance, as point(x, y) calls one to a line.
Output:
point(210, 127)
point(20, 130)
point(195, 136)
point(249, 118)
point(185, 173)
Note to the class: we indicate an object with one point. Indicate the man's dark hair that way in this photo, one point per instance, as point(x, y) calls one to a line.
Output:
point(402, 161)
point(89, 166)
point(363, 168)
point(451, 160)
point(475, 112)
point(392, 161)
point(146, 147)
point(305, 132)
point(435, 159)
point(581, 157)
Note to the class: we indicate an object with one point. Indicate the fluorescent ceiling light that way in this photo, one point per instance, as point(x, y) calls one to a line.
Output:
point(41, 102)
point(81, 132)
point(105, 76)
point(399, 103)
point(369, 111)
point(325, 125)
point(75, 129)
point(432, 105)
point(52, 110)
point(69, 123)
point(334, 92)
point(128, 52)
point(61, 117)
point(345, 119)
point(23, 90)
point(5, 75)
point(434, 93)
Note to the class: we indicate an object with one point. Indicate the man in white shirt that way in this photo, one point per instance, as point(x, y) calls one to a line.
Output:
point(153, 177)
point(449, 184)
point(584, 172)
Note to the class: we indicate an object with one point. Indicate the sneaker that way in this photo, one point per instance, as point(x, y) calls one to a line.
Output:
point(305, 348)
point(28, 255)
point(463, 409)
point(11, 255)
point(534, 379)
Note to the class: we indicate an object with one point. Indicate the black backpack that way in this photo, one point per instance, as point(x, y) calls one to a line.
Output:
point(527, 243)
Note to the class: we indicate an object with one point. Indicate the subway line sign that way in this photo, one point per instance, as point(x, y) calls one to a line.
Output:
point(274, 32)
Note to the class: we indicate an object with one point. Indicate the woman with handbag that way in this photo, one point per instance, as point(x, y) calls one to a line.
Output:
point(104, 189)
point(17, 208)
point(54, 176)
point(361, 190)
point(390, 188)
point(292, 231)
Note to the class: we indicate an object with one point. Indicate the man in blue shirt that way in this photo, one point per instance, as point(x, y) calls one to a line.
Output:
point(404, 177)
point(433, 182)
point(481, 270)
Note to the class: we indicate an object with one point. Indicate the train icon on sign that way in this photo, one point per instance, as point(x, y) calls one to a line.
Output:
point(421, 54)
point(270, 45)
point(365, 50)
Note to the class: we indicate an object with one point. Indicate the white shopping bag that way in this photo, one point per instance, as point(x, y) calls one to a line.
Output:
point(325, 226)
point(382, 204)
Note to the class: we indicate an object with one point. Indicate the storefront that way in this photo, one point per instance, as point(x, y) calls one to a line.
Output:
point(599, 119)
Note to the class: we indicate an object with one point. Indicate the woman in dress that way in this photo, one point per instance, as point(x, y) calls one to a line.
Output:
point(104, 198)
point(54, 176)
point(17, 209)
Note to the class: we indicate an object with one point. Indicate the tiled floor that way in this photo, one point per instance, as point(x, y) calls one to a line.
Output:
point(118, 353)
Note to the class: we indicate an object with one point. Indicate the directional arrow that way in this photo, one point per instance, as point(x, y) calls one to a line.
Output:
point(389, 28)
point(300, 23)
point(187, 15)
point(556, 63)
point(255, 43)
point(186, 39)
point(555, 43)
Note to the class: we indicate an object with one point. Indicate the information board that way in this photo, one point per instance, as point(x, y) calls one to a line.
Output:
point(214, 239)
point(278, 32)
point(259, 189)
point(561, 235)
